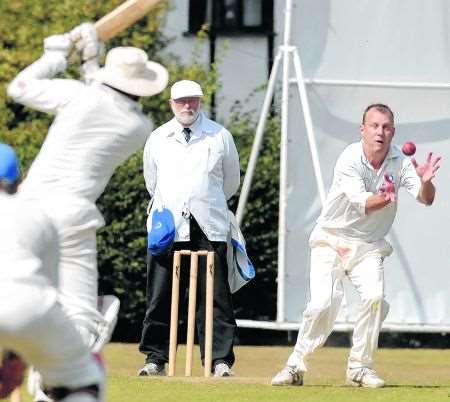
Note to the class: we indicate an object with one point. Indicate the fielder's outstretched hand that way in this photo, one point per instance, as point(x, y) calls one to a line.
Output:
point(427, 170)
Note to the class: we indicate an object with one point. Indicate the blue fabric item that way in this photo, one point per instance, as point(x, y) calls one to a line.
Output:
point(243, 264)
point(162, 233)
point(9, 164)
point(242, 270)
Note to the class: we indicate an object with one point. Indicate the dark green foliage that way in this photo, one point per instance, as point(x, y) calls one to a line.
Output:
point(257, 300)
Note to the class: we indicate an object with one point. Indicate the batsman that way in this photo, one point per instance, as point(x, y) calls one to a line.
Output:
point(98, 124)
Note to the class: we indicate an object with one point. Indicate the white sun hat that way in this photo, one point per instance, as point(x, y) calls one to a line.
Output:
point(129, 70)
point(185, 89)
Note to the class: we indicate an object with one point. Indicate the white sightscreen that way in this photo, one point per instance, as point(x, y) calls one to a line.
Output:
point(401, 41)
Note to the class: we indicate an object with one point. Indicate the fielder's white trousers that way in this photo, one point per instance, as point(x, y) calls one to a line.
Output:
point(33, 324)
point(331, 260)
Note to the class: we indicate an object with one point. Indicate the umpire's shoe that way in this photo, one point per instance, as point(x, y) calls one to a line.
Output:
point(222, 370)
point(152, 369)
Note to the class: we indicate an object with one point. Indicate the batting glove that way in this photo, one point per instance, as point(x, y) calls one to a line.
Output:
point(85, 38)
point(58, 44)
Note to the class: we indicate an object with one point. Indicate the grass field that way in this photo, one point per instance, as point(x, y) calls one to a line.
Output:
point(421, 375)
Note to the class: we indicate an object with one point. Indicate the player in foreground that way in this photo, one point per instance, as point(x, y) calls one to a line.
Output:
point(348, 240)
point(98, 125)
point(96, 128)
point(32, 322)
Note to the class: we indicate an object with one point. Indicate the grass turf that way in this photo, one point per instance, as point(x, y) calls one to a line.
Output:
point(421, 375)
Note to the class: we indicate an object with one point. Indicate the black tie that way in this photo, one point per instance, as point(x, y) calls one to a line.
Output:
point(187, 133)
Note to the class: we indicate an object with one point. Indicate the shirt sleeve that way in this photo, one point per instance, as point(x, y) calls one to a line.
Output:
point(150, 171)
point(349, 179)
point(35, 87)
point(231, 167)
point(409, 178)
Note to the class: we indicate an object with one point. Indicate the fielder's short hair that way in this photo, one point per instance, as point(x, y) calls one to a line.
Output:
point(382, 108)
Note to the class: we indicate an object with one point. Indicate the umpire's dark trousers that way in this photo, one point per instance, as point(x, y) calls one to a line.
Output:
point(155, 333)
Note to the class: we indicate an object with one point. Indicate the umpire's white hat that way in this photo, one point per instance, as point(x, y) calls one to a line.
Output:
point(185, 89)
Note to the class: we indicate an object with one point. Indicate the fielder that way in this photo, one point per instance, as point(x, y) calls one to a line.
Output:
point(32, 322)
point(348, 240)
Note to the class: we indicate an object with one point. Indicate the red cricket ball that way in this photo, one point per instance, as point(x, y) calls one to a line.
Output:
point(409, 148)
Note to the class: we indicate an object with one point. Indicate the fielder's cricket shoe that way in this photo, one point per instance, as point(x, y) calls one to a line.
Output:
point(152, 369)
point(89, 393)
point(222, 370)
point(364, 377)
point(288, 375)
point(41, 396)
point(35, 387)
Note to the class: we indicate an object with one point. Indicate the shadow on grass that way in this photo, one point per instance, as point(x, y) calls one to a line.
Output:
point(417, 386)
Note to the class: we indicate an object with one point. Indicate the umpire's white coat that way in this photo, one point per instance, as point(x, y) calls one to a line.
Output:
point(94, 131)
point(198, 177)
point(32, 322)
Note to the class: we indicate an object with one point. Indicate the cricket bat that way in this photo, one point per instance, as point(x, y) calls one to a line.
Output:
point(122, 17)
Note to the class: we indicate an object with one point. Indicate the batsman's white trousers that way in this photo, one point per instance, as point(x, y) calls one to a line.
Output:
point(77, 220)
point(33, 324)
point(331, 260)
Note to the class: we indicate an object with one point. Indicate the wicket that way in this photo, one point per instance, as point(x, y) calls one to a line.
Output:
point(191, 310)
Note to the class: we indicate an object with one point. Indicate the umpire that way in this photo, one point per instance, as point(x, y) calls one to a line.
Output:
point(191, 167)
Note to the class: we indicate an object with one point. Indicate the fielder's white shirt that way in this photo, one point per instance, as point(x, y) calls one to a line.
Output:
point(94, 131)
point(28, 243)
point(199, 176)
point(354, 181)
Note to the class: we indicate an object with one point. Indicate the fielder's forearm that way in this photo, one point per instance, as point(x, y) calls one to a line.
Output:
point(427, 193)
point(376, 202)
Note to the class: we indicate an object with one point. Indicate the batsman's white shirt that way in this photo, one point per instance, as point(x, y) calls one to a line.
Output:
point(94, 131)
point(31, 319)
point(199, 176)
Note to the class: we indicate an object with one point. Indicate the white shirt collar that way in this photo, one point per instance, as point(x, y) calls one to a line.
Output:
point(177, 128)
point(394, 152)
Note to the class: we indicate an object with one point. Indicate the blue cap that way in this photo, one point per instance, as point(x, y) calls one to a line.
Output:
point(9, 164)
point(162, 233)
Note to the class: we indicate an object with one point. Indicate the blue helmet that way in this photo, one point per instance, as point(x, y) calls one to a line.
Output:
point(9, 164)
